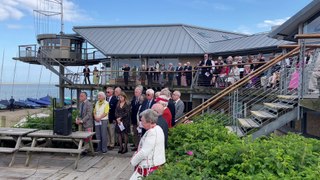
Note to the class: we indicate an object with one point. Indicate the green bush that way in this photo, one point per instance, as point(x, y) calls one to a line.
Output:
point(206, 150)
point(46, 123)
point(43, 123)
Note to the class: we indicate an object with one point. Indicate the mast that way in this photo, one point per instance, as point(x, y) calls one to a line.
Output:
point(62, 23)
point(2, 69)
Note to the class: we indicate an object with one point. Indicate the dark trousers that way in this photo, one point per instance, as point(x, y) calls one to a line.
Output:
point(189, 80)
point(126, 80)
point(156, 76)
point(11, 107)
point(85, 79)
point(178, 80)
point(149, 80)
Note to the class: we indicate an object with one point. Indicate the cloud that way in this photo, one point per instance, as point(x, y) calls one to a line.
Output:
point(270, 23)
point(18, 26)
point(204, 4)
point(244, 30)
point(16, 9)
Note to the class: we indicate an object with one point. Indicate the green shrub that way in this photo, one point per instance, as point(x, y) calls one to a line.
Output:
point(43, 123)
point(206, 150)
point(46, 123)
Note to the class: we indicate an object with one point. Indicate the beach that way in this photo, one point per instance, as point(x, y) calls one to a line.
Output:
point(13, 117)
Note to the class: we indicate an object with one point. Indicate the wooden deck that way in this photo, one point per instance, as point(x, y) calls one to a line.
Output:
point(60, 166)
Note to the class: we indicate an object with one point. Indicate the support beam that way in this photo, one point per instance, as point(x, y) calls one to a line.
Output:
point(292, 46)
point(61, 88)
point(307, 36)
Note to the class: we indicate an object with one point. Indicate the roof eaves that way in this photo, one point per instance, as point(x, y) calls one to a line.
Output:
point(93, 44)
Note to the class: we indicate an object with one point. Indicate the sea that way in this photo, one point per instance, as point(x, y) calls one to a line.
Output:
point(24, 91)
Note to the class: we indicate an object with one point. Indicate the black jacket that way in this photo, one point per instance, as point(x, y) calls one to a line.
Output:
point(172, 109)
point(113, 104)
point(145, 105)
point(134, 110)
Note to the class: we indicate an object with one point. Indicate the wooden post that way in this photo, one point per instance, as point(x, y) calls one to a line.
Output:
point(80, 127)
point(3, 121)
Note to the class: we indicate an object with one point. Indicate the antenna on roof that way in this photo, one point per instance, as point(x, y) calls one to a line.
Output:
point(47, 9)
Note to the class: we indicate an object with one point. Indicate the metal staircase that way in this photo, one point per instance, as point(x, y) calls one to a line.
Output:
point(45, 59)
point(259, 110)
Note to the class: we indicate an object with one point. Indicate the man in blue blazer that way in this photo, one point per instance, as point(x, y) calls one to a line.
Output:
point(113, 101)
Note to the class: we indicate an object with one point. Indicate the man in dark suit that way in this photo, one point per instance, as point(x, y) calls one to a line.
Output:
point(206, 70)
point(161, 121)
point(126, 70)
point(85, 116)
point(86, 73)
point(179, 70)
point(135, 104)
point(170, 74)
point(147, 104)
point(113, 101)
point(188, 72)
point(149, 75)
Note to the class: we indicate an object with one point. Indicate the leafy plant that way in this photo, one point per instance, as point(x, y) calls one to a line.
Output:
point(206, 150)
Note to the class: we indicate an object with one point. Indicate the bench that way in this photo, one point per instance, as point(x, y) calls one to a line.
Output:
point(76, 137)
point(9, 138)
point(15, 134)
point(52, 150)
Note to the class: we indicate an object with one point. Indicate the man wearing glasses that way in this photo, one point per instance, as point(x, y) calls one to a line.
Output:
point(113, 100)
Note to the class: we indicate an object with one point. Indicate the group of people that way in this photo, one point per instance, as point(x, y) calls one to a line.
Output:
point(166, 76)
point(211, 72)
point(148, 115)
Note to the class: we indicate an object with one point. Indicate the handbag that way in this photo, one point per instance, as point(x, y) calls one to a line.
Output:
point(136, 175)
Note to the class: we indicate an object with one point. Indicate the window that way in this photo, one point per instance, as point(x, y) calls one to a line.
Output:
point(313, 25)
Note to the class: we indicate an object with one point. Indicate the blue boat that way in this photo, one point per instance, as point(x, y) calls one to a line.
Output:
point(3, 107)
point(30, 104)
point(4, 102)
point(46, 98)
point(40, 102)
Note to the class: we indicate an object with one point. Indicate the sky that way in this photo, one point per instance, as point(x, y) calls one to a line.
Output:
point(19, 23)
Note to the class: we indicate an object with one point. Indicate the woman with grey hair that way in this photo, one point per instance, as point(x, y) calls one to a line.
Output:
point(151, 151)
point(100, 115)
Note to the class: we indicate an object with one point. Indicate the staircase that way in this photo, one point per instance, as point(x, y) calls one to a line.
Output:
point(45, 59)
point(271, 117)
point(260, 110)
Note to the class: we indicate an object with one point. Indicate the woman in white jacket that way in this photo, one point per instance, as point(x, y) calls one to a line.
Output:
point(151, 152)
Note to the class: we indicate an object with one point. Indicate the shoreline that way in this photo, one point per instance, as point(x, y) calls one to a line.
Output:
point(13, 117)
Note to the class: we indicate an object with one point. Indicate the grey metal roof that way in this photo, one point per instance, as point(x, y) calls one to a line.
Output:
point(253, 42)
point(290, 28)
point(174, 39)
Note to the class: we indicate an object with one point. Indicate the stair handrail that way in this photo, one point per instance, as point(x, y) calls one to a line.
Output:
point(43, 52)
point(234, 86)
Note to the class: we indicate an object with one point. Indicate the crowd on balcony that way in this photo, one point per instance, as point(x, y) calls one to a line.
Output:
point(209, 72)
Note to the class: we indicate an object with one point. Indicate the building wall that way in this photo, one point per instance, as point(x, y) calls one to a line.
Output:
point(313, 123)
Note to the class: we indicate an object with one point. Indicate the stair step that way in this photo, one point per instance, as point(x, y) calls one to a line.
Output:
point(236, 130)
point(288, 97)
point(278, 106)
point(248, 123)
point(263, 115)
